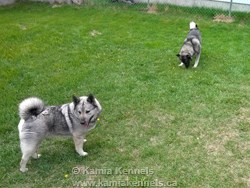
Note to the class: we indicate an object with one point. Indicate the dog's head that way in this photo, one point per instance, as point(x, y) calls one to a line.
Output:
point(87, 110)
point(186, 59)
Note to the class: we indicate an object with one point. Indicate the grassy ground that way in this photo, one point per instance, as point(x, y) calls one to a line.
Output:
point(161, 123)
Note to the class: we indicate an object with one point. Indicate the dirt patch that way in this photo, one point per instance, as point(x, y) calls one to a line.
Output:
point(217, 146)
point(230, 132)
point(22, 27)
point(218, 150)
point(244, 115)
point(95, 33)
point(152, 9)
point(156, 141)
point(223, 18)
point(56, 6)
point(247, 180)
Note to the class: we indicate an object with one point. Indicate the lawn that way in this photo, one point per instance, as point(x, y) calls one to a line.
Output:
point(161, 124)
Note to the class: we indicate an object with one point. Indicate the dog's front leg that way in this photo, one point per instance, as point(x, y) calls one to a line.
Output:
point(79, 140)
point(181, 64)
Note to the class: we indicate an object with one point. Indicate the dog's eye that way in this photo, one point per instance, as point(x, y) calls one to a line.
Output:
point(79, 112)
point(87, 111)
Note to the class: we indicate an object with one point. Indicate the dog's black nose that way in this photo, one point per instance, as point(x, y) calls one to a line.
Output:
point(186, 65)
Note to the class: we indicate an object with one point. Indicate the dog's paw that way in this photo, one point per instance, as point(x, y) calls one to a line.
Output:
point(23, 170)
point(84, 154)
point(36, 156)
point(181, 64)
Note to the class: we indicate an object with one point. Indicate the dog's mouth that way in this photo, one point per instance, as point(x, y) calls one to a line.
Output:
point(86, 124)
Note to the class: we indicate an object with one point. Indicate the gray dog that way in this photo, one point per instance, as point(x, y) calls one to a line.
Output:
point(191, 47)
point(37, 121)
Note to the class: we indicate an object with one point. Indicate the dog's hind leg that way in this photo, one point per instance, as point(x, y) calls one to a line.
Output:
point(27, 151)
point(24, 161)
point(197, 49)
point(79, 140)
point(197, 59)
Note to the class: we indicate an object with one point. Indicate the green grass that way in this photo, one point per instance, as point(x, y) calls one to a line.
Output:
point(189, 126)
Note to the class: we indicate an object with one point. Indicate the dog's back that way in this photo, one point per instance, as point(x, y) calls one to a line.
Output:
point(194, 33)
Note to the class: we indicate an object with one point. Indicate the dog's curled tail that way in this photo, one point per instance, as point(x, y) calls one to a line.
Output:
point(30, 107)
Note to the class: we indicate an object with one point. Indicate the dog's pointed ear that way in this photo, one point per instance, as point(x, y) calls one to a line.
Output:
point(91, 99)
point(178, 55)
point(76, 100)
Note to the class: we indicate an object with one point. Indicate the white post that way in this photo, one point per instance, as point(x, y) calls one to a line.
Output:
point(230, 9)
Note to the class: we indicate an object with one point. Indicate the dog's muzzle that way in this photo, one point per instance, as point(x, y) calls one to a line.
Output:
point(91, 120)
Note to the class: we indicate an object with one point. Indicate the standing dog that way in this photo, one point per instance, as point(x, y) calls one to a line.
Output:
point(37, 121)
point(191, 47)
